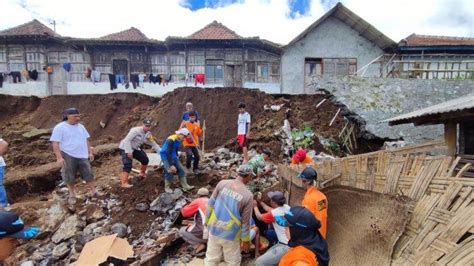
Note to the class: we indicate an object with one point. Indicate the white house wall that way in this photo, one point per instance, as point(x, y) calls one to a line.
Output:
point(331, 39)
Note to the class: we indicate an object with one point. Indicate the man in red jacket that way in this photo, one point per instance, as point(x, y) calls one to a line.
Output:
point(196, 233)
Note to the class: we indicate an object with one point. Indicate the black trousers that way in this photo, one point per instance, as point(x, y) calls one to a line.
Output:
point(16, 75)
point(139, 155)
point(134, 80)
point(113, 83)
point(1, 80)
point(192, 153)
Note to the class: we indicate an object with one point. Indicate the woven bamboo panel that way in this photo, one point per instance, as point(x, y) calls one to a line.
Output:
point(441, 205)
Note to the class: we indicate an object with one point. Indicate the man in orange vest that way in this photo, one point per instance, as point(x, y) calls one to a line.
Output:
point(314, 200)
point(191, 142)
point(307, 246)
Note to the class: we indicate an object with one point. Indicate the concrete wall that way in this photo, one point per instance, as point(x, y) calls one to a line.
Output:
point(331, 39)
point(28, 88)
point(377, 99)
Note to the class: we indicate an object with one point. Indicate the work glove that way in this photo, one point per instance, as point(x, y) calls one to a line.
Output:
point(31, 232)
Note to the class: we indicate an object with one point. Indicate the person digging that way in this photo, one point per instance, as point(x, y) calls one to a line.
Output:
point(130, 149)
point(170, 159)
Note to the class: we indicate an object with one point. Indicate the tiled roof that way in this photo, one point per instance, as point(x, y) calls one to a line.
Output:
point(33, 27)
point(215, 31)
point(429, 40)
point(132, 34)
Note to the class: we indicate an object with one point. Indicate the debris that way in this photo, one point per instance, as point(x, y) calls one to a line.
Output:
point(100, 249)
point(34, 133)
point(141, 207)
point(162, 203)
point(335, 116)
point(68, 229)
point(120, 229)
point(61, 251)
point(321, 102)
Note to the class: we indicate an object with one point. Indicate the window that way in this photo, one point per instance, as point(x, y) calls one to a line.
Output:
point(196, 62)
point(214, 71)
point(178, 66)
point(262, 72)
point(250, 71)
point(339, 67)
point(159, 64)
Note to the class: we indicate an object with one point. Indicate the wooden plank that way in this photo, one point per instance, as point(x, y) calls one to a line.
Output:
point(335, 116)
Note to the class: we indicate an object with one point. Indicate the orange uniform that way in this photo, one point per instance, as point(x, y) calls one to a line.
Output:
point(316, 202)
point(307, 160)
point(195, 131)
point(299, 256)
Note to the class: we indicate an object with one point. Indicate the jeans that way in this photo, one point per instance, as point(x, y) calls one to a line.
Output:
point(167, 165)
point(119, 79)
point(192, 153)
point(272, 256)
point(3, 192)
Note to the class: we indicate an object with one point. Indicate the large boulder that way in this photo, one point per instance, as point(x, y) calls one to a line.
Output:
point(68, 229)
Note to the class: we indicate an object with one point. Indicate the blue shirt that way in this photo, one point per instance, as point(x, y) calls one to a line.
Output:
point(186, 116)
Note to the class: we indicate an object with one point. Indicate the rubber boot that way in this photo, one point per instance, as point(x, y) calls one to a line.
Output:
point(168, 187)
point(184, 184)
point(124, 180)
point(143, 171)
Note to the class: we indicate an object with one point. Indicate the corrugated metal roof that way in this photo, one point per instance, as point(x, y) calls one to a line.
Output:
point(458, 104)
point(430, 40)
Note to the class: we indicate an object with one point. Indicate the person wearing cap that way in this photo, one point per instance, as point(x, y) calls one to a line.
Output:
point(130, 148)
point(243, 130)
point(73, 151)
point(258, 163)
point(191, 143)
point(301, 157)
point(3, 192)
point(194, 233)
point(314, 200)
point(185, 117)
point(11, 228)
point(170, 159)
point(307, 246)
point(228, 219)
point(278, 207)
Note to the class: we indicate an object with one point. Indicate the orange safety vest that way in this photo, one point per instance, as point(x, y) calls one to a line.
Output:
point(195, 131)
point(299, 256)
point(317, 203)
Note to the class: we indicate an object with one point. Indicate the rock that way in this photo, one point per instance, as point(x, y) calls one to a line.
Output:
point(163, 203)
point(27, 263)
point(47, 262)
point(120, 229)
point(41, 253)
point(142, 207)
point(61, 251)
point(36, 133)
point(51, 218)
point(223, 165)
point(177, 193)
point(94, 213)
point(223, 151)
point(68, 229)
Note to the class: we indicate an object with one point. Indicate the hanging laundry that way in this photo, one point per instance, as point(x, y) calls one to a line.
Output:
point(95, 76)
point(16, 75)
point(33, 74)
point(199, 78)
point(159, 79)
point(119, 79)
point(67, 66)
point(49, 69)
point(24, 73)
point(1, 80)
point(113, 82)
point(134, 79)
point(88, 73)
point(141, 80)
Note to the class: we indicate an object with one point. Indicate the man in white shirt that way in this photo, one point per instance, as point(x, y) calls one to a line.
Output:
point(243, 130)
point(73, 151)
point(277, 208)
point(3, 192)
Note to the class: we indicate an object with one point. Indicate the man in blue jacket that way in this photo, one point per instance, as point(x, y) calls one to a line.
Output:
point(170, 159)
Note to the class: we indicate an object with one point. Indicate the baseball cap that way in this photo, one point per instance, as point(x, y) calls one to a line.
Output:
point(245, 170)
point(277, 197)
point(70, 111)
point(183, 131)
point(309, 174)
point(12, 226)
point(203, 192)
point(147, 122)
point(267, 152)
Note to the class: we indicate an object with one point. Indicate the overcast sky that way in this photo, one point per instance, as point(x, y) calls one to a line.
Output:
point(275, 20)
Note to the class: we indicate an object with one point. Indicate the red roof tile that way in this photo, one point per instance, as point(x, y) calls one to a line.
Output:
point(429, 40)
point(132, 34)
point(33, 27)
point(215, 31)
